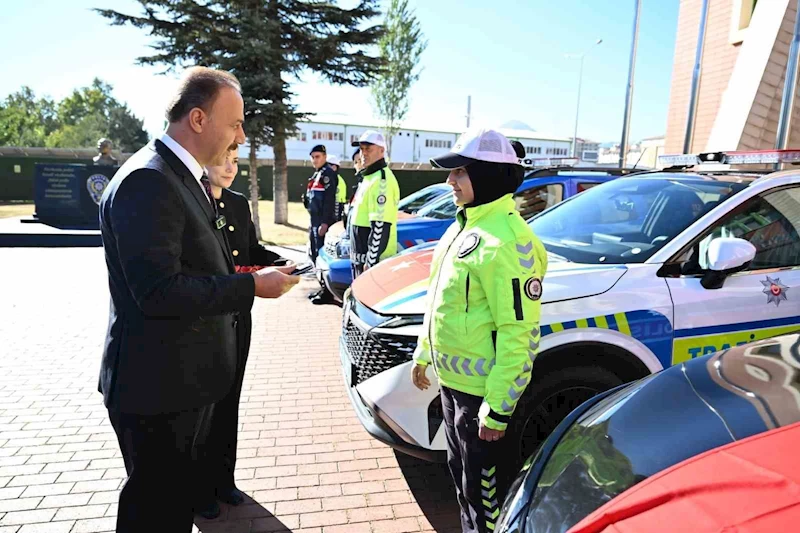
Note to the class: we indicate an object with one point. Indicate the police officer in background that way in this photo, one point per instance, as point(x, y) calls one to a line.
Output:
point(341, 187)
point(481, 326)
point(320, 200)
point(373, 216)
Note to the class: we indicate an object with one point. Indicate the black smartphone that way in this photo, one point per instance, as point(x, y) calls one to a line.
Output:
point(302, 269)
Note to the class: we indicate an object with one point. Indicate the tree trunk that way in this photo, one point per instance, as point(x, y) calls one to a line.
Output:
point(280, 179)
point(254, 189)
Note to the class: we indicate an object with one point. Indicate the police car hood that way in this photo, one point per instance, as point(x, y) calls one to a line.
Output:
point(398, 286)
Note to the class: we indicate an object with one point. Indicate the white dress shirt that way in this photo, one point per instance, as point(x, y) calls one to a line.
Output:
point(186, 158)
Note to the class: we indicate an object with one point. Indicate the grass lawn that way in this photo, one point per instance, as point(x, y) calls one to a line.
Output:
point(295, 233)
point(17, 210)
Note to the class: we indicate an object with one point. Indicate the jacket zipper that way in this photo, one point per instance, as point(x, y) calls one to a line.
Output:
point(433, 303)
point(466, 308)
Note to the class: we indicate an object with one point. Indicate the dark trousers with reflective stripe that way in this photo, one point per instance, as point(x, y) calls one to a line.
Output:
point(475, 464)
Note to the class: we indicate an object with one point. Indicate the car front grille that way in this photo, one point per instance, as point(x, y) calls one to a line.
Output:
point(373, 354)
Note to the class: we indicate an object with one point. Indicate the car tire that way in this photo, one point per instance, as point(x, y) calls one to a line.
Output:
point(547, 401)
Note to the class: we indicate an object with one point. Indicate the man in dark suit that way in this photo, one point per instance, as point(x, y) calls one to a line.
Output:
point(170, 349)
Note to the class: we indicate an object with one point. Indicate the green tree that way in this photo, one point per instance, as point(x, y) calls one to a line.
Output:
point(266, 44)
point(26, 121)
point(90, 113)
point(77, 121)
point(401, 46)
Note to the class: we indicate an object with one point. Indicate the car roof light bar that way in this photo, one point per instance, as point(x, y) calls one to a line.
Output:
point(754, 157)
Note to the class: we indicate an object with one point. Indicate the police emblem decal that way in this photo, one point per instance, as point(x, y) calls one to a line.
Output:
point(533, 288)
point(775, 291)
point(468, 245)
point(381, 199)
point(96, 184)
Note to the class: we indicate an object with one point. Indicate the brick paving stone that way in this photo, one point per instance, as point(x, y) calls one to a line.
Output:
point(304, 460)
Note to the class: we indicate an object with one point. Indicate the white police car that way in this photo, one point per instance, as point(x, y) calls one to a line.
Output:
point(645, 271)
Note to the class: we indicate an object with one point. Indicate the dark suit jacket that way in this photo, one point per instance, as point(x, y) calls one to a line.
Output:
point(241, 232)
point(171, 341)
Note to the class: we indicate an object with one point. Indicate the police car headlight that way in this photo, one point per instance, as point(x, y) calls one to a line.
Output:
point(343, 249)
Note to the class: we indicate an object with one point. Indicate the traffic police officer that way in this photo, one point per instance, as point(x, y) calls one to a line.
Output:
point(218, 452)
point(481, 327)
point(320, 200)
point(341, 186)
point(373, 215)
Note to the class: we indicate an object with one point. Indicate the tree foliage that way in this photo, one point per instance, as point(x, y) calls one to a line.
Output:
point(77, 121)
point(401, 47)
point(266, 44)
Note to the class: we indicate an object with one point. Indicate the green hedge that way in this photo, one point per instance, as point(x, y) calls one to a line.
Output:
point(19, 187)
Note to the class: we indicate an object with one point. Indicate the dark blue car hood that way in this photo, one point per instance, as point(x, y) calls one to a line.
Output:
point(660, 421)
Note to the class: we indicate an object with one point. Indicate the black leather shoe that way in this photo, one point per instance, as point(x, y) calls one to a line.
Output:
point(231, 496)
point(209, 510)
point(322, 299)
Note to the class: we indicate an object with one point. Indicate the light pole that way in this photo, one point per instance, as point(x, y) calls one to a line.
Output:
point(578, 105)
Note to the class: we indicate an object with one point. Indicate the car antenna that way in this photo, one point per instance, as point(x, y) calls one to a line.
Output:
point(640, 158)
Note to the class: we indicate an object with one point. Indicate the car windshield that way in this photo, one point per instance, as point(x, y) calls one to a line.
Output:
point(415, 200)
point(441, 208)
point(629, 219)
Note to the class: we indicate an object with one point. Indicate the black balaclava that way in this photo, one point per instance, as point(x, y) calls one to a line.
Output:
point(491, 181)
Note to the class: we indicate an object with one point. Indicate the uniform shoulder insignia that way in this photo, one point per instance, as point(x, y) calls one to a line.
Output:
point(469, 244)
point(381, 199)
point(533, 288)
point(326, 179)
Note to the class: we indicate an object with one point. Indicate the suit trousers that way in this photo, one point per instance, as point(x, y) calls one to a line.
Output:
point(217, 454)
point(477, 466)
point(158, 451)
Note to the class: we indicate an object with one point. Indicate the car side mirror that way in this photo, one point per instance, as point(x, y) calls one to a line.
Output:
point(726, 256)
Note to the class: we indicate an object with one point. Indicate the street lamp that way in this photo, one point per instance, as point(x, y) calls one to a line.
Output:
point(580, 80)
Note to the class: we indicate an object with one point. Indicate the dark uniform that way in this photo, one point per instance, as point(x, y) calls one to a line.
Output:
point(219, 456)
point(320, 200)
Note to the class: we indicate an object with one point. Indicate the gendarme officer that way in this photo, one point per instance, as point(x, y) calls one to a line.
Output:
point(320, 200)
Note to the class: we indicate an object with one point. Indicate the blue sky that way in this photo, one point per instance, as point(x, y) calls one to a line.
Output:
point(509, 55)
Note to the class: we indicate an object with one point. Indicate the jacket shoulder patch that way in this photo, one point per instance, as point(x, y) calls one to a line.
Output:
point(469, 244)
point(533, 288)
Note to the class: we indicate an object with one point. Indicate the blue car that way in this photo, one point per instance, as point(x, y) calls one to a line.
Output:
point(423, 226)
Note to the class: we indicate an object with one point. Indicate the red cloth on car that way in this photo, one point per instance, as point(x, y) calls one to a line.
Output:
point(748, 486)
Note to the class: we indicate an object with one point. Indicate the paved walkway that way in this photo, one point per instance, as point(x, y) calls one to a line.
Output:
point(306, 462)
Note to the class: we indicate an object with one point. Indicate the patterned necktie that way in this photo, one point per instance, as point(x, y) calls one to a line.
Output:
point(207, 188)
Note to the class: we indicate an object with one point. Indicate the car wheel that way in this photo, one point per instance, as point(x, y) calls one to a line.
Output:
point(547, 401)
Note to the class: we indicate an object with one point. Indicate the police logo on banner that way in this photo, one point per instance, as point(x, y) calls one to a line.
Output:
point(96, 184)
point(381, 199)
point(533, 289)
point(469, 244)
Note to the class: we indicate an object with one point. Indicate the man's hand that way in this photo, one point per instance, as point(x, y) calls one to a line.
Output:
point(419, 378)
point(273, 282)
point(485, 433)
point(322, 230)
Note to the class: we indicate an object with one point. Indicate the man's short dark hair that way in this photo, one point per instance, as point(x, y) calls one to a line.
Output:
point(199, 87)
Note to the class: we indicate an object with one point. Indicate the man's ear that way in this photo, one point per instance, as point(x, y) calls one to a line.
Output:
point(197, 119)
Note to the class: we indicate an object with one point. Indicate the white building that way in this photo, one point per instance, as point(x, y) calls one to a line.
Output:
point(408, 145)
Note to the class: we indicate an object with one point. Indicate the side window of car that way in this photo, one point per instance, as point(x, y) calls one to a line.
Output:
point(537, 199)
point(586, 186)
point(770, 222)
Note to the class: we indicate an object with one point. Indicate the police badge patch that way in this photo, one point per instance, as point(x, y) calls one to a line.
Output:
point(96, 184)
point(469, 244)
point(533, 288)
point(326, 180)
point(381, 199)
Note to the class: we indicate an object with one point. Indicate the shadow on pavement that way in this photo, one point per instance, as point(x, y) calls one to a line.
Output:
point(433, 489)
point(249, 517)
